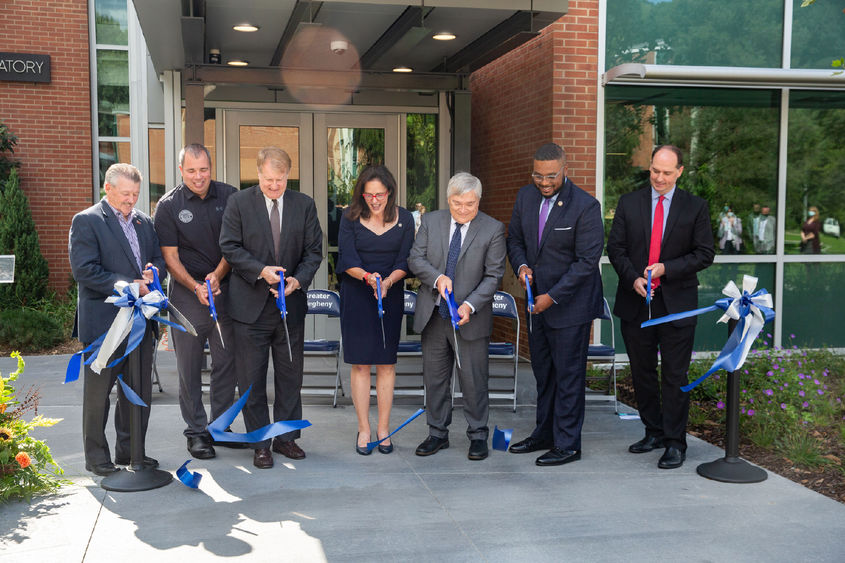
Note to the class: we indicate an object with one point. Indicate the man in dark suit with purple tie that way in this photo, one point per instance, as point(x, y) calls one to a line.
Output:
point(667, 231)
point(555, 240)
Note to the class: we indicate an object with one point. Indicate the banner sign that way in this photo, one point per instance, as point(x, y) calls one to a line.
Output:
point(24, 67)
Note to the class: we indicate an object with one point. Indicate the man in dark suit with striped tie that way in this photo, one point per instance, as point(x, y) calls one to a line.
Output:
point(664, 230)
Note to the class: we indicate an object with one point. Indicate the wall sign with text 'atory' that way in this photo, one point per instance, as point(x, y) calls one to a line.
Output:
point(24, 67)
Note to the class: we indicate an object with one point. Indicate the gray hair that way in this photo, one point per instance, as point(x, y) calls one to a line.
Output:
point(195, 150)
point(122, 169)
point(277, 158)
point(461, 183)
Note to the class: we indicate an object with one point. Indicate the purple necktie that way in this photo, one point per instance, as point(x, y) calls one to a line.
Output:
point(544, 214)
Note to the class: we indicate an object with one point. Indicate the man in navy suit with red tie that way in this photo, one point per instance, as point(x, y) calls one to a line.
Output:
point(665, 230)
point(555, 239)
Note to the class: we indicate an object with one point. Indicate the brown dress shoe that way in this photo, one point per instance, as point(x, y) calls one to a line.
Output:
point(288, 448)
point(262, 459)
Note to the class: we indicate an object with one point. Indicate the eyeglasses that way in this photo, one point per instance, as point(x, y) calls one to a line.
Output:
point(377, 197)
point(548, 178)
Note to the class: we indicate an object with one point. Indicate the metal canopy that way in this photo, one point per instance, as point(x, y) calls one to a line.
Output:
point(385, 34)
point(635, 73)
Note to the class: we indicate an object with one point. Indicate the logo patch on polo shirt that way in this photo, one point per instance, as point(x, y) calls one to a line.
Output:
point(186, 216)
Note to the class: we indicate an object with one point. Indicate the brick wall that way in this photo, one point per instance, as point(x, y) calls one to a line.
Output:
point(52, 121)
point(543, 91)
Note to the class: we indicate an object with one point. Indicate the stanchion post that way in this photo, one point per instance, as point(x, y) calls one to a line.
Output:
point(732, 468)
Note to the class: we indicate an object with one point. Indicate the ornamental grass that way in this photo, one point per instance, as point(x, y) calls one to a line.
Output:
point(26, 466)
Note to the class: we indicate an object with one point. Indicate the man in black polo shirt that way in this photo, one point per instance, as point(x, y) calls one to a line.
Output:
point(187, 221)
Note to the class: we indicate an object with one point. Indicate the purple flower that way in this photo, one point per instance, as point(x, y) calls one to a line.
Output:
point(765, 343)
point(720, 405)
point(783, 406)
point(786, 384)
point(775, 366)
point(792, 336)
point(745, 371)
point(820, 392)
point(800, 376)
point(805, 404)
point(745, 391)
point(750, 412)
point(838, 399)
point(801, 393)
point(768, 334)
point(770, 373)
point(816, 381)
point(769, 392)
point(800, 383)
point(751, 400)
point(743, 410)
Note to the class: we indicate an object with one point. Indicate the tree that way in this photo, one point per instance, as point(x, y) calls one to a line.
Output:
point(7, 147)
point(19, 237)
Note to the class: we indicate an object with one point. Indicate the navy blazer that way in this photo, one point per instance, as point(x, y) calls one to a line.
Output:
point(687, 248)
point(100, 255)
point(247, 245)
point(565, 261)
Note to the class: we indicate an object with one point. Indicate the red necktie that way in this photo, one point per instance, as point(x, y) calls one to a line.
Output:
point(656, 238)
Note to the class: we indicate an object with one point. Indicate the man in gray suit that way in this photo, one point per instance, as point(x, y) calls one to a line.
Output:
point(266, 229)
point(461, 250)
point(764, 232)
point(110, 242)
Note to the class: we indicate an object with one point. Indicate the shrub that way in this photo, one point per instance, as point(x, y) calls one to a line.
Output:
point(28, 329)
point(7, 145)
point(19, 237)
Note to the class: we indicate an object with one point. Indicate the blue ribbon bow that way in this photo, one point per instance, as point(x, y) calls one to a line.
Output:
point(752, 309)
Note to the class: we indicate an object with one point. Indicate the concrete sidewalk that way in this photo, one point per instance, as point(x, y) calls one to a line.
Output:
point(339, 506)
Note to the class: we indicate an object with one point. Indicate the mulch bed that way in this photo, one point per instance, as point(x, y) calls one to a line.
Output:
point(827, 480)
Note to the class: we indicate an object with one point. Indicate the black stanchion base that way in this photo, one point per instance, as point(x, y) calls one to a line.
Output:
point(130, 481)
point(734, 470)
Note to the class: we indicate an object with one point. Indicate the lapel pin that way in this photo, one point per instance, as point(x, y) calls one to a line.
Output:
point(560, 204)
point(400, 225)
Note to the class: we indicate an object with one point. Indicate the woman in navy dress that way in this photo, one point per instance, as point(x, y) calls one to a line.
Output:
point(374, 240)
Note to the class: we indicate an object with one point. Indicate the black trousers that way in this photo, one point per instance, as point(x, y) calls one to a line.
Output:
point(255, 343)
point(663, 407)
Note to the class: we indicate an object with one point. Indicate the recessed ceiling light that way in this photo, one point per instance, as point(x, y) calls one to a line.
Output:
point(402, 69)
point(444, 36)
point(237, 62)
point(245, 27)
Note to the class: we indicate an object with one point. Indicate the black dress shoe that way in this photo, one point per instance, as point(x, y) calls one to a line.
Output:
point(149, 463)
point(558, 456)
point(477, 450)
point(530, 444)
point(432, 445)
point(102, 469)
point(365, 450)
point(262, 459)
point(672, 458)
point(200, 447)
point(646, 445)
point(232, 445)
point(385, 448)
point(288, 448)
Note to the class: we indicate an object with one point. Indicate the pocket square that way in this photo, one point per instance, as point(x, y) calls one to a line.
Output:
point(562, 228)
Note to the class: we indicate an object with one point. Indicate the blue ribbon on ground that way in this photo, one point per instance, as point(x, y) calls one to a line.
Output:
point(212, 311)
point(217, 429)
point(751, 310)
point(280, 298)
point(502, 438)
point(648, 289)
point(371, 445)
point(453, 309)
point(190, 479)
point(131, 395)
point(529, 294)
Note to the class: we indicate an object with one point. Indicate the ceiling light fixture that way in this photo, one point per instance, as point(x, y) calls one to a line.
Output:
point(402, 68)
point(444, 36)
point(237, 62)
point(245, 27)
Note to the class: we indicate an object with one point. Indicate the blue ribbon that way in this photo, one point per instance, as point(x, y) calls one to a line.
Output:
point(733, 354)
point(502, 438)
point(378, 291)
point(217, 429)
point(212, 311)
point(131, 395)
point(371, 445)
point(453, 309)
point(280, 298)
point(73, 366)
point(529, 294)
point(192, 480)
point(648, 289)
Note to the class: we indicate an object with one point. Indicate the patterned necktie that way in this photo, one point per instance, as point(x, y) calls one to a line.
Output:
point(451, 263)
point(276, 230)
point(544, 214)
point(656, 238)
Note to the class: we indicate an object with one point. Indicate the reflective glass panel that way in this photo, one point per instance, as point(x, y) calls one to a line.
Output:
point(730, 142)
point(155, 139)
point(695, 32)
point(815, 173)
point(110, 21)
point(210, 138)
point(112, 152)
point(421, 164)
point(817, 33)
point(709, 335)
point(349, 151)
point(253, 138)
point(811, 312)
point(112, 92)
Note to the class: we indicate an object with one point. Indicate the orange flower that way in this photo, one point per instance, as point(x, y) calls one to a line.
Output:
point(23, 460)
point(2, 408)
